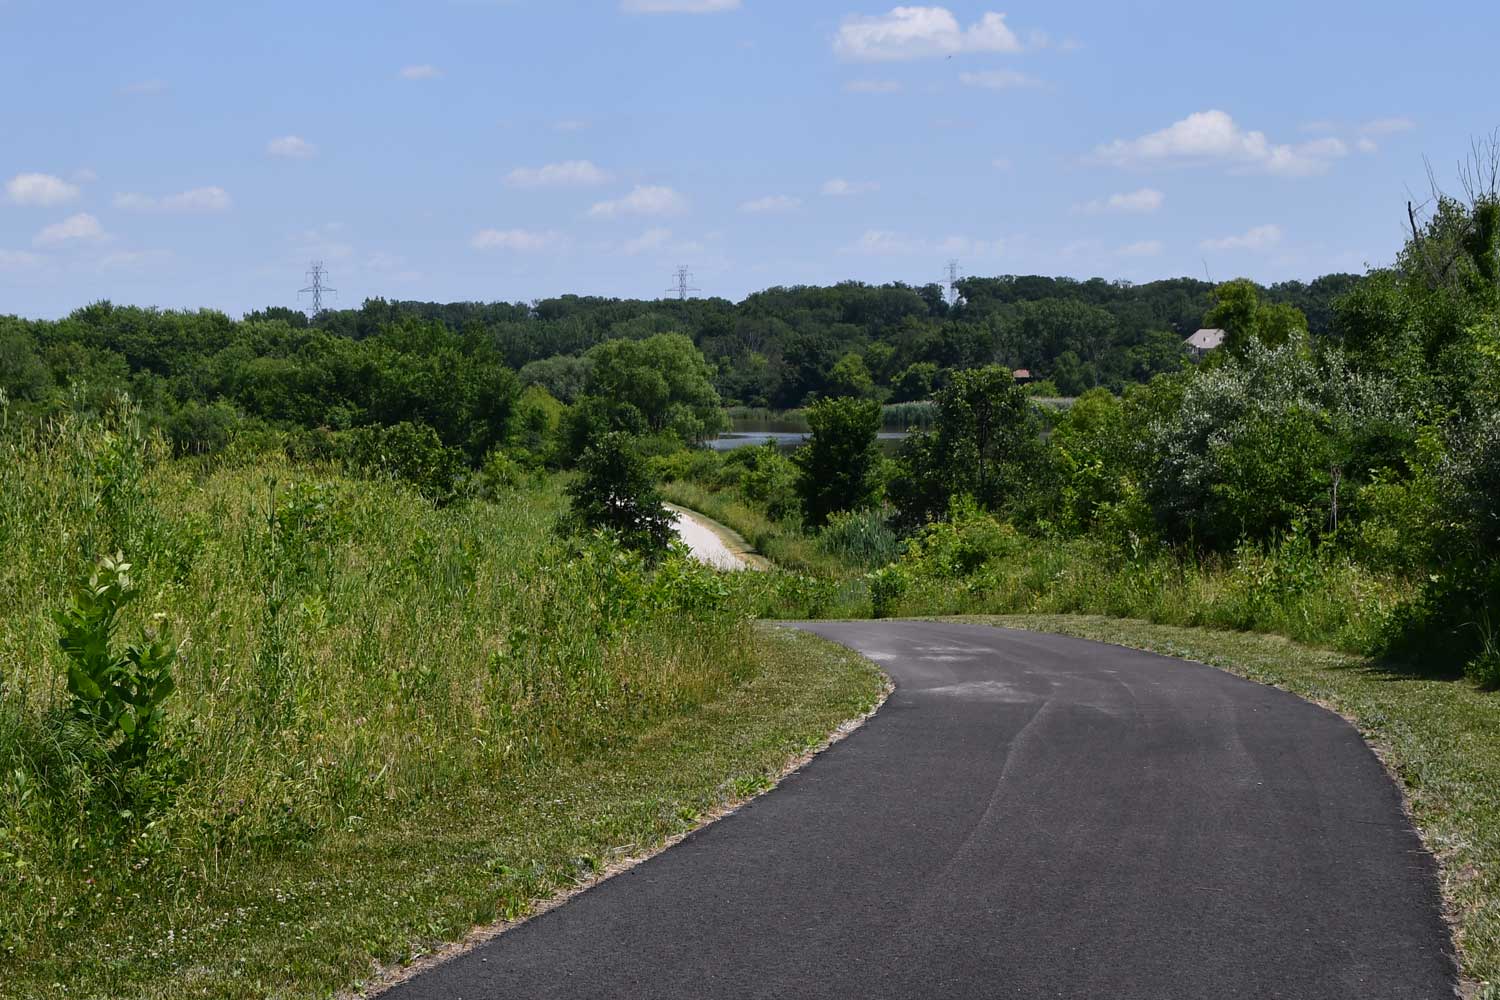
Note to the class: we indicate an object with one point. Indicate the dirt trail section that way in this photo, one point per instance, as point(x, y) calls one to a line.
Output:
point(1028, 816)
point(713, 543)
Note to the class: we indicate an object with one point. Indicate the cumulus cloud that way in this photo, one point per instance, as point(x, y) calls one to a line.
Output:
point(1144, 201)
point(678, 6)
point(771, 203)
point(39, 189)
point(872, 87)
point(920, 32)
point(196, 201)
point(570, 173)
point(518, 240)
point(80, 228)
point(293, 147)
point(1207, 137)
point(999, 79)
point(840, 188)
point(421, 71)
point(644, 200)
point(1258, 238)
point(1142, 248)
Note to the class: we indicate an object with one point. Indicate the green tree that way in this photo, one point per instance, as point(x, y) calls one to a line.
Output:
point(615, 492)
point(850, 377)
point(664, 379)
point(1239, 312)
point(838, 468)
point(986, 445)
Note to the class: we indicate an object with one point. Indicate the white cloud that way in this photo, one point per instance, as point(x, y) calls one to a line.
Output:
point(1214, 137)
point(1258, 238)
point(920, 32)
point(519, 240)
point(421, 71)
point(772, 203)
point(83, 175)
point(1367, 145)
point(885, 243)
point(39, 189)
point(1144, 201)
point(678, 6)
point(872, 87)
point(293, 147)
point(570, 125)
point(840, 188)
point(18, 260)
point(197, 201)
point(80, 228)
point(1143, 248)
point(652, 239)
point(644, 200)
point(999, 79)
point(571, 173)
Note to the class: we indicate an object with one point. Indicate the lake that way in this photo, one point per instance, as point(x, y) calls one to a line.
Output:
point(786, 434)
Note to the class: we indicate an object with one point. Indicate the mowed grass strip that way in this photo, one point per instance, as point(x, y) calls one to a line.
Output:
point(1440, 737)
point(315, 922)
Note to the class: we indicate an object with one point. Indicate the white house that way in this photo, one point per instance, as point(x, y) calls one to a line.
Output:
point(1204, 341)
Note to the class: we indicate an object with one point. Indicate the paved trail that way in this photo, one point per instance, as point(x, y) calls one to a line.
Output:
point(1028, 816)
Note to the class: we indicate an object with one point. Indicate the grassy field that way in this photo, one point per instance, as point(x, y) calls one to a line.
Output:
point(1441, 738)
point(391, 721)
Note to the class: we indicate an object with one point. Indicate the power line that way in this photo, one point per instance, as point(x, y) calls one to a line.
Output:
point(316, 272)
point(684, 283)
point(954, 273)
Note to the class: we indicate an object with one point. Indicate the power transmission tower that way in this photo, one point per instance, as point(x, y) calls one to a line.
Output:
point(684, 283)
point(953, 275)
point(316, 272)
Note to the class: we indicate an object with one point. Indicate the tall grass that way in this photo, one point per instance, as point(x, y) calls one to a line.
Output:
point(350, 656)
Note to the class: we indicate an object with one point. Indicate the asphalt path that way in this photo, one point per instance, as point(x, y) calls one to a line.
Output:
point(1027, 816)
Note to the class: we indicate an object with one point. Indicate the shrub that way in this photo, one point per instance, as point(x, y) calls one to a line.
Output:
point(407, 452)
point(959, 546)
point(616, 493)
point(887, 586)
point(837, 467)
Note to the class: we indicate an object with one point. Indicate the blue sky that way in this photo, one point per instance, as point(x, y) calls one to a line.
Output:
point(201, 154)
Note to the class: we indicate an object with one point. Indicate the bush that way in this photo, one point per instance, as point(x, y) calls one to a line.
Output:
point(616, 493)
point(409, 453)
point(837, 468)
point(964, 543)
point(887, 586)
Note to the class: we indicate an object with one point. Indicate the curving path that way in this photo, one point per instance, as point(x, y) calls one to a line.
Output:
point(1028, 816)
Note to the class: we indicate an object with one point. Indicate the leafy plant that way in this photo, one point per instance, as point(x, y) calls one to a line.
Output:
point(887, 586)
point(117, 692)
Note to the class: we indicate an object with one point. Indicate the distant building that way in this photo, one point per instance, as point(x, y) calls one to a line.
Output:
point(1204, 341)
point(1022, 375)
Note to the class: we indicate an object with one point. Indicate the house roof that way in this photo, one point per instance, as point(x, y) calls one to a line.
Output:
point(1207, 339)
point(1021, 373)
